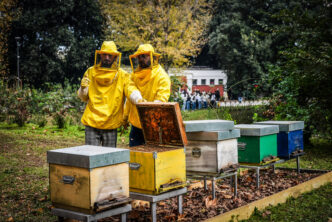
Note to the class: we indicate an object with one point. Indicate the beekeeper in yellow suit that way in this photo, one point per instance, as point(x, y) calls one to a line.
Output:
point(104, 87)
point(153, 83)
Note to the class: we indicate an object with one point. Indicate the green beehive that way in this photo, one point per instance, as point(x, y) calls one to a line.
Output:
point(257, 144)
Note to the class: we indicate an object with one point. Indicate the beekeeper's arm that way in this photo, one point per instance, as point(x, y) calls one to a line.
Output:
point(132, 92)
point(83, 91)
point(164, 89)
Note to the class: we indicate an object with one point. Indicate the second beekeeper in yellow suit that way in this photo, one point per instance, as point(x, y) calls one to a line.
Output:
point(104, 87)
point(153, 83)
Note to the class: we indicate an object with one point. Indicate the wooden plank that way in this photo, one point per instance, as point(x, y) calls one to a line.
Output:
point(201, 156)
point(162, 123)
point(181, 125)
point(211, 156)
point(170, 167)
point(244, 212)
point(109, 182)
point(142, 178)
point(76, 194)
point(227, 153)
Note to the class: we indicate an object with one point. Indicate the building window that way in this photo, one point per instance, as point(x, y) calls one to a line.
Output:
point(211, 81)
point(203, 82)
point(220, 82)
point(194, 82)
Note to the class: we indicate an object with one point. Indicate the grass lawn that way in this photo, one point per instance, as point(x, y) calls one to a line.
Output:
point(24, 175)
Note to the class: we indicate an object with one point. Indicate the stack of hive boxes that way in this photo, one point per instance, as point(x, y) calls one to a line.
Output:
point(159, 165)
point(289, 138)
point(212, 146)
point(88, 179)
point(258, 143)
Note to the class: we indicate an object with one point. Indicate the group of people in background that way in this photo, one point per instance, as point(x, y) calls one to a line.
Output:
point(199, 100)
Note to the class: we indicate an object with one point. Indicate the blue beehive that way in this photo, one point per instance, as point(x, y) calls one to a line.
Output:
point(290, 137)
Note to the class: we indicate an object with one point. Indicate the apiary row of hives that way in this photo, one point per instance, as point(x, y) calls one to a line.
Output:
point(90, 179)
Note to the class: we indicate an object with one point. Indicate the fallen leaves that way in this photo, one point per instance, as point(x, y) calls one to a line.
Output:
point(198, 204)
point(209, 202)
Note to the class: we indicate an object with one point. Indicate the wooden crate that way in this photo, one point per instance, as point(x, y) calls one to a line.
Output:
point(258, 143)
point(159, 165)
point(88, 179)
point(212, 152)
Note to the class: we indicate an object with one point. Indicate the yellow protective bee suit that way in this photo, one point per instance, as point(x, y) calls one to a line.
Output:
point(107, 88)
point(153, 83)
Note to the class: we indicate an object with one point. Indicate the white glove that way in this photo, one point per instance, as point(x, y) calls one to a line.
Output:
point(136, 97)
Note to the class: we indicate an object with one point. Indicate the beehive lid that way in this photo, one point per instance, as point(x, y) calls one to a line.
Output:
point(214, 135)
point(162, 123)
point(257, 130)
point(285, 126)
point(208, 125)
point(88, 156)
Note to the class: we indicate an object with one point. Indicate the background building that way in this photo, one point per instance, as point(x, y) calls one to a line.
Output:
point(202, 78)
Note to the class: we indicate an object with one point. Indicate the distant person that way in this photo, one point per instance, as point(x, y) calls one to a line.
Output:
point(199, 100)
point(104, 87)
point(188, 101)
point(193, 101)
point(240, 99)
point(213, 100)
point(184, 98)
point(204, 99)
point(217, 94)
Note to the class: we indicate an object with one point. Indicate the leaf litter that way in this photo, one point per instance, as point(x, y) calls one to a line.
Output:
point(198, 204)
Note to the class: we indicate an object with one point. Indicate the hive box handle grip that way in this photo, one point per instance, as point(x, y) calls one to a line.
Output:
point(68, 179)
point(241, 146)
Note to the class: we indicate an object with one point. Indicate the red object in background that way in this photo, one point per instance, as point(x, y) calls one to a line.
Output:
point(208, 89)
point(255, 85)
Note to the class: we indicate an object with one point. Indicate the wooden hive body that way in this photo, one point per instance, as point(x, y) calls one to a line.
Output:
point(212, 152)
point(257, 143)
point(88, 179)
point(159, 165)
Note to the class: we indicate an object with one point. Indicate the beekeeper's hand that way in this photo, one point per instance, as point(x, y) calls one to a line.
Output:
point(85, 82)
point(136, 97)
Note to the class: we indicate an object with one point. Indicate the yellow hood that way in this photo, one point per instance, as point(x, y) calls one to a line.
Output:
point(108, 47)
point(145, 49)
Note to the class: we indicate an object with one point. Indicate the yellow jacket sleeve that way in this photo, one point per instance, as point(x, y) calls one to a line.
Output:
point(164, 89)
point(83, 92)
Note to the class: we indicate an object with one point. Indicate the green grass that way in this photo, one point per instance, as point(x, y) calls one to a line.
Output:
point(240, 114)
point(311, 206)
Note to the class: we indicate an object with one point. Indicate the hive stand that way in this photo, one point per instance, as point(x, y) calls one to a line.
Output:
point(213, 179)
point(258, 167)
point(153, 199)
point(62, 214)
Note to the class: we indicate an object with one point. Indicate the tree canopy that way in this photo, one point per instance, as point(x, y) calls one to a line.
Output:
point(8, 11)
point(58, 39)
point(302, 76)
point(175, 28)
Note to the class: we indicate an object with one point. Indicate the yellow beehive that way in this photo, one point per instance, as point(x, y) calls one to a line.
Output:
point(87, 178)
point(160, 164)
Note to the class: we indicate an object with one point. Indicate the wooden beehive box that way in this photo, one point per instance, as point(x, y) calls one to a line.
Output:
point(289, 138)
point(211, 152)
point(258, 143)
point(88, 178)
point(159, 165)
